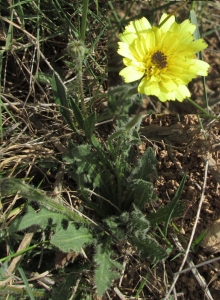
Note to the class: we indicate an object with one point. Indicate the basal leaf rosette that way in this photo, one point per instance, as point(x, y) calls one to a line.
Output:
point(163, 57)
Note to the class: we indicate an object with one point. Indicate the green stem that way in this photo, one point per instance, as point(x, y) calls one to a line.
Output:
point(197, 106)
point(24, 278)
point(12, 289)
point(84, 19)
point(81, 93)
point(21, 252)
point(206, 114)
point(76, 50)
point(83, 34)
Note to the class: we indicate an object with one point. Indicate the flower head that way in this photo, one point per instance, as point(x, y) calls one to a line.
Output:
point(163, 57)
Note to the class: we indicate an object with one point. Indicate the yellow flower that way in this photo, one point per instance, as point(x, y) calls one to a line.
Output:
point(164, 57)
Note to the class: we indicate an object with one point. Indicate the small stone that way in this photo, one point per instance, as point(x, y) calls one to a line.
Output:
point(211, 241)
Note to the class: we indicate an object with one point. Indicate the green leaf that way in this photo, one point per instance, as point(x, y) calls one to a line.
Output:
point(118, 231)
point(89, 125)
point(26, 283)
point(85, 163)
point(174, 203)
point(104, 273)
point(198, 240)
point(9, 186)
point(59, 91)
point(90, 172)
point(77, 113)
point(12, 185)
point(136, 223)
point(145, 168)
point(194, 21)
point(149, 248)
point(163, 213)
point(122, 122)
point(120, 145)
point(122, 98)
point(43, 77)
point(135, 121)
point(63, 290)
point(40, 218)
point(127, 131)
point(140, 192)
point(71, 239)
point(59, 95)
point(116, 134)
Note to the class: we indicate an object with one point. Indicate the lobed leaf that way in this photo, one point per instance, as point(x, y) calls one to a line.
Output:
point(104, 273)
point(71, 238)
point(40, 218)
point(145, 168)
point(89, 125)
point(140, 192)
point(149, 248)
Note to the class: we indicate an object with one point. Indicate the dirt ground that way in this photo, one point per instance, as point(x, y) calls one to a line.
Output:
point(173, 159)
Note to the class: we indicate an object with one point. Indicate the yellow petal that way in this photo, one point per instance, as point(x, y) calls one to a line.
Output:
point(141, 25)
point(176, 65)
point(167, 96)
point(124, 50)
point(134, 30)
point(138, 65)
point(168, 83)
point(147, 88)
point(150, 41)
point(187, 26)
point(166, 26)
point(199, 67)
point(198, 45)
point(130, 74)
point(169, 42)
point(127, 37)
point(182, 93)
point(138, 49)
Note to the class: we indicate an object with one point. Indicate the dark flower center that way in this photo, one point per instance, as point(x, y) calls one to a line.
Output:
point(159, 59)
